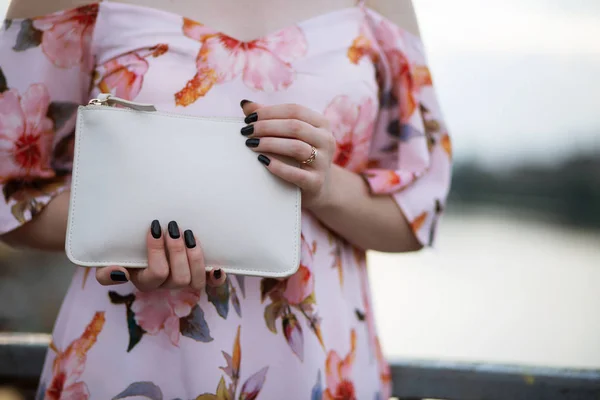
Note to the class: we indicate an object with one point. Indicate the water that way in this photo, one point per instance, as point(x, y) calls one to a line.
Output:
point(499, 288)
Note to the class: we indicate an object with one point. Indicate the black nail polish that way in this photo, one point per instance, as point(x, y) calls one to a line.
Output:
point(155, 229)
point(173, 230)
point(247, 130)
point(264, 159)
point(217, 274)
point(251, 118)
point(118, 276)
point(190, 241)
point(254, 142)
point(244, 102)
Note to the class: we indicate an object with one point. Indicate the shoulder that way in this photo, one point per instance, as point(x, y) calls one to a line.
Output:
point(400, 12)
point(34, 8)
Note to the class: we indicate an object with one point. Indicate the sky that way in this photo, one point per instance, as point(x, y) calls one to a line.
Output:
point(517, 80)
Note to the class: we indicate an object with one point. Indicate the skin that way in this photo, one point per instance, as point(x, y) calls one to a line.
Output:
point(340, 199)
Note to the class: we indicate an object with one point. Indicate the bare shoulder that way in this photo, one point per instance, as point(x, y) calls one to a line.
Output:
point(35, 8)
point(400, 12)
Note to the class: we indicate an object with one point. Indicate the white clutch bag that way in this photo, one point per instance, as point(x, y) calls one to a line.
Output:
point(133, 165)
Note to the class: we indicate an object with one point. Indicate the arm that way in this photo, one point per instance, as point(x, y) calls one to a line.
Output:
point(46, 231)
point(367, 221)
point(41, 85)
point(396, 207)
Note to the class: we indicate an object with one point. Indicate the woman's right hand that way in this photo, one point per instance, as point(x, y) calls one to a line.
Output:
point(175, 261)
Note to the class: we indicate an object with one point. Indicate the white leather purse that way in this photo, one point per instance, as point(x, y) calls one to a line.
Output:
point(133, 165)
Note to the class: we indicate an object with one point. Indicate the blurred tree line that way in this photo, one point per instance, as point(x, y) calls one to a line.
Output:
point(566, 193)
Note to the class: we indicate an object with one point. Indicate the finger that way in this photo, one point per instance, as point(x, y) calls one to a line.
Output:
point(288, 111)
point(113, 275)
point(284, 147)
point(216, 277)
point(196, 262)
point(289, 129)
point(157, 271)
point(249, 106)
point(304, 179)
point(179, 275)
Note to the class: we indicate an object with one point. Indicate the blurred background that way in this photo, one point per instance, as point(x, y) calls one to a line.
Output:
point(516, 274)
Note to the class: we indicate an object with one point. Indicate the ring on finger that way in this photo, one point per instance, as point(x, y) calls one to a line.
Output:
point(312, 157)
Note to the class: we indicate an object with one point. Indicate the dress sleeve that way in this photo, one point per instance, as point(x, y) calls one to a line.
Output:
point(45, 73)
point(410, 155)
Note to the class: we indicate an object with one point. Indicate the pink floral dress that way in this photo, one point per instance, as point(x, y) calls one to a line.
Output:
point(311, 336)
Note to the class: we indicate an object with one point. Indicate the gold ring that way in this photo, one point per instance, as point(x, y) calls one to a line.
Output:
point(313, 156)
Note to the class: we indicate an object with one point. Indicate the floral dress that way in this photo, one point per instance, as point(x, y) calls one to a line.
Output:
point(311, 336)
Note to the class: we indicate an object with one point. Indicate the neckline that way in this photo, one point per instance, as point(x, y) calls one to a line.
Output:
point(310, 20)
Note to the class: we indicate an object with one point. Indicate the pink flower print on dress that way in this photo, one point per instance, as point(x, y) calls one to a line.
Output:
point(123, 76)
point(264, 64)
point(26, 134)
point(67, 35)
point(338, 374)
point(161, 310)
point(352, 126)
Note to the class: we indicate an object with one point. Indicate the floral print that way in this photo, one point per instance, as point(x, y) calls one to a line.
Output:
point(338, 374)
point(174, 312)
point(26, 134)
point(293, 293)
point(250, 388)
point(67, 36)
point(69, 364)
point(388, 181)
point(362, 45)
point(412, 122)
point(162, 309)
point(311, 335)
point(30, 162)
point(410, 78)
point(352, 125)
point(123, 76)
point(264, 64)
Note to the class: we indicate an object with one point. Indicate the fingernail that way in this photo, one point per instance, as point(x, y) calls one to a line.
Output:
point(244, 102)
point(264, 159)
point(254, 142)
point(155, 229)
point(118, 276)
point(247, 130)
point(190, 241)
point(173, 230)
point(217, 274)
point(251, 118)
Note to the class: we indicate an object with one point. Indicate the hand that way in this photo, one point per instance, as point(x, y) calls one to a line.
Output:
point(291, 130)
point(175, 261)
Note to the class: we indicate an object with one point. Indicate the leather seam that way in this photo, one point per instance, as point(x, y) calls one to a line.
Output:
point(75, 180)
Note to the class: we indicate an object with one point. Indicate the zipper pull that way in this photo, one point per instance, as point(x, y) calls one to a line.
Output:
point(107, 99)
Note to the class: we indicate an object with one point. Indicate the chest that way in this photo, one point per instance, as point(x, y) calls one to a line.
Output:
point(246, 20)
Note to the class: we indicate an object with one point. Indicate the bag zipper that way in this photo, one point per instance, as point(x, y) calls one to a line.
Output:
point(106, 99)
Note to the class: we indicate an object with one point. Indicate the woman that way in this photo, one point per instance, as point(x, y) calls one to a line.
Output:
point(333, 75)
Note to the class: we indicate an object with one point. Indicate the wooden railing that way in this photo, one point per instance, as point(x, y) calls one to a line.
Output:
point(22, 356)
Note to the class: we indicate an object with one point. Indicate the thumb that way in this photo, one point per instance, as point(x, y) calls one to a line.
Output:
point(249, 106)
point(112, 275)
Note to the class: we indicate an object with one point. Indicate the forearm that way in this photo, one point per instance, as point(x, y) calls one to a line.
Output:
point(367, 221)
point(44, 232)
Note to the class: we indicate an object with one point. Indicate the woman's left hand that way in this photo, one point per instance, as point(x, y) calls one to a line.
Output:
point(291, 130)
